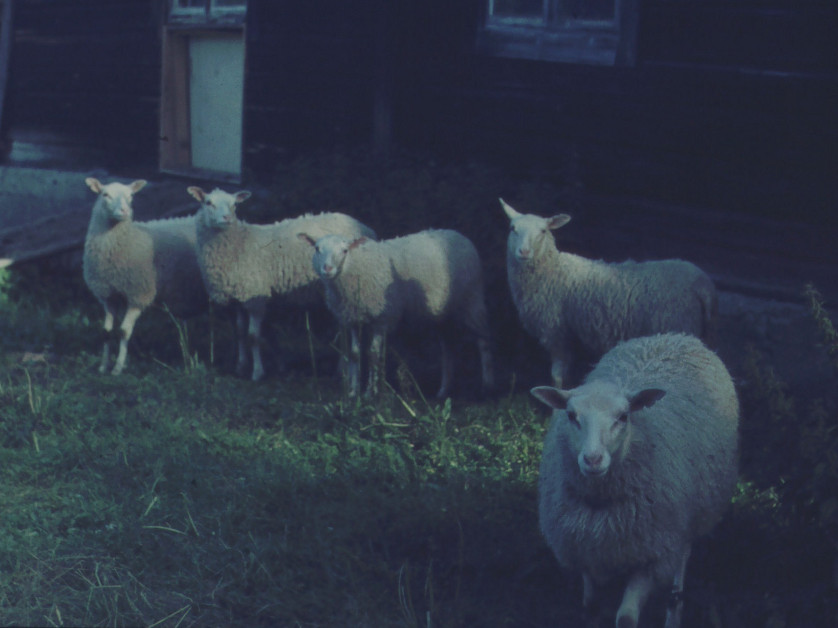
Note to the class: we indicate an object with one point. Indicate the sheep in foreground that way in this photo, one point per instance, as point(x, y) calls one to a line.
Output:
point(247, 264)
point(574, 305)
point(136, 264)
point(431, 276)
point(639, 461)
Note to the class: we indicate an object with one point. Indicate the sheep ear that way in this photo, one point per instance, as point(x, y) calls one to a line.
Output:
point(197, 193)
point(559, 220)
point(307, 238)
point(509, 210)
point(137, 185)
point(645, 398)
point(242, 196)
point(552, 397)
point(357, 242)
point(94, 184)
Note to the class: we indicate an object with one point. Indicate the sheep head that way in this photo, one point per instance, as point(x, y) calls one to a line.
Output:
point(115, 198)
point(330, 253)
point(597, 420)
point(530, 234)
point(218, 208)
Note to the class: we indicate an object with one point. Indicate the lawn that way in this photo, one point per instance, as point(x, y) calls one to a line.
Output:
point(178, 494)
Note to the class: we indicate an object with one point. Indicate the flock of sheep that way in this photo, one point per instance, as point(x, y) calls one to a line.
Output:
point(640, 458)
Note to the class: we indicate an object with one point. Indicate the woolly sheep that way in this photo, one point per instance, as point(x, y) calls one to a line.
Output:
point(639, 461)
point(247, 264)
point(138, 263)
point(432, 275)
point(574, 305)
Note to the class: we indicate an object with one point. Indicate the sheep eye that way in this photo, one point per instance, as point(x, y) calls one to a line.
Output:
point(105, 195)
point(572, 417)
point(623, 418)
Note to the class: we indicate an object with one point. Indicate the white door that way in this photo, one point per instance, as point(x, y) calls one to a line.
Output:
point(216, 90)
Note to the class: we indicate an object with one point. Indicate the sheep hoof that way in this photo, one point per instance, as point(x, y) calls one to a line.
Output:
point(626, 621)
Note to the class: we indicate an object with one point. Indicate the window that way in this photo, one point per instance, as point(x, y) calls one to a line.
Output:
point(207, 10)
point(599, 32)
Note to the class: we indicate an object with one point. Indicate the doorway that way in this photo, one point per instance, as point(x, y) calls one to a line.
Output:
point(202, 101)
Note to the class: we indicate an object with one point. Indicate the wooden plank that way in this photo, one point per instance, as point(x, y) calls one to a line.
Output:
point(6, 36)
point(175, 140)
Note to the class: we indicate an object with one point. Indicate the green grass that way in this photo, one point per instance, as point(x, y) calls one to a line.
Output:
point(180, 495)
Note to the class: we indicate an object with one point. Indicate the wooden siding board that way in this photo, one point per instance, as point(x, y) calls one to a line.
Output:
point(770, 36)
point(85, 73)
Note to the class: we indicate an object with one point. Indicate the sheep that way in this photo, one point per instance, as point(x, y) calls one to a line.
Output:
point(432, 275)
point(639, 461)
point(247, 264)
point(138, 263)
point(576, 306)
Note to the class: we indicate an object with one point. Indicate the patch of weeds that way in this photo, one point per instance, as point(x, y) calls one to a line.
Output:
point(790, 472)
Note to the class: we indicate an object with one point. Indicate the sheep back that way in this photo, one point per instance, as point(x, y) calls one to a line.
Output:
point(614, 302)
point(245, 261)
point(677, 471)
point(432, 275)
point(146, 262)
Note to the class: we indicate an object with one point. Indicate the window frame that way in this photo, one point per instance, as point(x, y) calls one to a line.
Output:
point(557, 38)
point(209, 13)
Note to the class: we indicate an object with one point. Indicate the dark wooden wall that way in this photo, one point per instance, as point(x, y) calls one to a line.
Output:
point(310, 72)
point(85, 81)
point(731, 105)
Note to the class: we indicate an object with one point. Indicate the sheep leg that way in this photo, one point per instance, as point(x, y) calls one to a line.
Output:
point(637, 590)
point(479, 324)
point(588, 591)
point(487, 369)
point(353, 371)
point(559, 370)
point(254, 336)
point(376, 351)
point(241, 335)
point(127, 328)
point(676, 601)
point(447, 368)
point(108, 327)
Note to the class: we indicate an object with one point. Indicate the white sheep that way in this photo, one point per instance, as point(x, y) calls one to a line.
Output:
point(247, 264)
point(574, 305)
point(639, 461)
point(136, 264)
point(432, 275)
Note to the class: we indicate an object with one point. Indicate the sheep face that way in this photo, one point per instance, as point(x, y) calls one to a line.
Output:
point(115, 198)
point(529, 235)
point(597, 416)
point(330, 253)
point(218, 208)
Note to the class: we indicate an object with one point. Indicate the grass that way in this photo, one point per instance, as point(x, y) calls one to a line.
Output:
point(179, 495)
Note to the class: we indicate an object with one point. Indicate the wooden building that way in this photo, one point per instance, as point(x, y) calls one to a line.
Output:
point(731, 104)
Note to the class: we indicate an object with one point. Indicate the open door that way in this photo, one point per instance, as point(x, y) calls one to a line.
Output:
point(202, 96)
